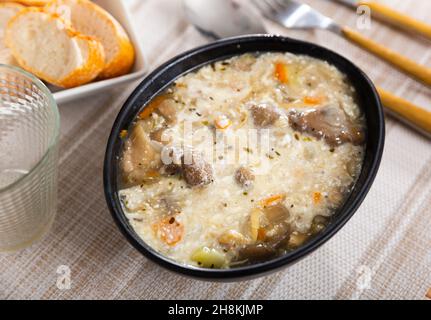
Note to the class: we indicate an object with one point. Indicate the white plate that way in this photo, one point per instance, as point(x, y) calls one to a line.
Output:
point(119, 10)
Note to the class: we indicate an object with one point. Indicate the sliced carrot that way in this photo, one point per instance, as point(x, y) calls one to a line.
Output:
point(153, 174)
point(272, 200)
point(169, 230)
point(281, 72)
point(152, 106)
point(313, 100)
point(222, 122)
point(317, 197)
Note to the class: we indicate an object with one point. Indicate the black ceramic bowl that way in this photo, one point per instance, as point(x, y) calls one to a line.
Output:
point(192, 60)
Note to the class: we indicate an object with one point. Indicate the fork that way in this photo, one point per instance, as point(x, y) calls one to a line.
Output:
point(292, 14)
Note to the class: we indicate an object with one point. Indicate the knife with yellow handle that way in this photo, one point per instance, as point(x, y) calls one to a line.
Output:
point(393, 17)
point(411, 114)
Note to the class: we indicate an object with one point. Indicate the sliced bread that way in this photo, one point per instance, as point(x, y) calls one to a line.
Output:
point(90, 19)
point(7, 11)
point(46, 46)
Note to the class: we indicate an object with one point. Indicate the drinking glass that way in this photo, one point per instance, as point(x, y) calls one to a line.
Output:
point(29, 134)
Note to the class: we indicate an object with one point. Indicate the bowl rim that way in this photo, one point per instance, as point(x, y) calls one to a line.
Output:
point(249, 271)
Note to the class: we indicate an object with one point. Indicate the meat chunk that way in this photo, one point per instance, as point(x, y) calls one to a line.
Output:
point(264, 115)
point(140, 158)
point(172, 159)
point(329, 123)
point(196, 171)
point(244, 177)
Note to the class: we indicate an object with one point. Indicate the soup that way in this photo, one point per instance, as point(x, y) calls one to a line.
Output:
point(243, 160)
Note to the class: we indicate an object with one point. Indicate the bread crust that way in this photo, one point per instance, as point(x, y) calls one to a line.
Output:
point(81, 75)
point(123, 61)
point(9, 4)
point(38, 3)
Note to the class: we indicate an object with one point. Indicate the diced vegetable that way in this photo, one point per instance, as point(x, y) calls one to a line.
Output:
point(169, 230)
point(281, 72)
point(272, 200)
point(151, 107)
point(317, 198)
point(209, 258)
point(222, 122)
point(123, 134)
point(153, 174)
point(313, 100)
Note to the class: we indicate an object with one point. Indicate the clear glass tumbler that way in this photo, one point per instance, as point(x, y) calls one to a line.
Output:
point(29, 134)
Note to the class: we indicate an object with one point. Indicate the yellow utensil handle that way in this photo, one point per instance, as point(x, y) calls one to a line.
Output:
point(403, 63)
point(413, 114)
point(398, 19)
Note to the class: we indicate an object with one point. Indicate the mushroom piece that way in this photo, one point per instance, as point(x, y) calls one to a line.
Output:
point(160, 136)
point(264, 115)
point(168, 110)
point(278, 231)
point(140, 158)
point(196, 171)
point(274, 235)
point(244, 177)
point(329, 123)
point(253, 253)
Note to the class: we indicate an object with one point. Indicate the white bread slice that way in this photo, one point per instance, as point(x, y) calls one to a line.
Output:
point(44, 45)
point(7, 11)
point(6, 57)
point(90, 19)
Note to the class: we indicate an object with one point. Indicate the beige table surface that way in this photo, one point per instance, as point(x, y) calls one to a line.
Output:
point(383, 252)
